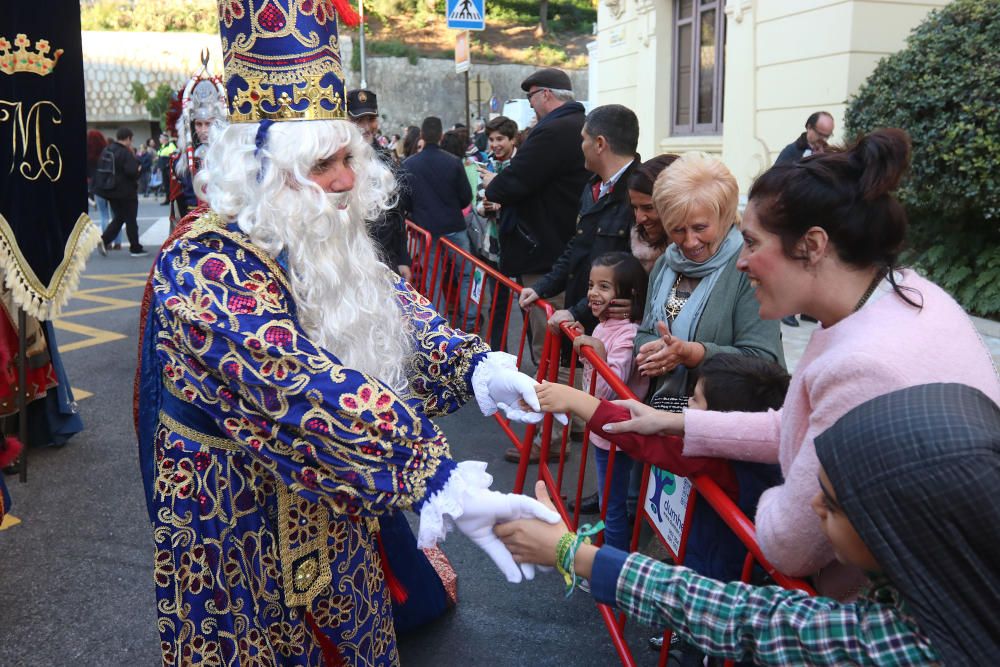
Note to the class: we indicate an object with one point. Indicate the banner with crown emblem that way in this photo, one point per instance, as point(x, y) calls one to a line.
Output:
point(45, 232)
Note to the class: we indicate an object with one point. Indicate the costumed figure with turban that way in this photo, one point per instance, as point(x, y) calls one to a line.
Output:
point(202, 103)
point(288, 379)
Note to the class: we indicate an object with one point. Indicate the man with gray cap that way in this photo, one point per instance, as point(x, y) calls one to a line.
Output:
point(389, 230)
point(539, 192)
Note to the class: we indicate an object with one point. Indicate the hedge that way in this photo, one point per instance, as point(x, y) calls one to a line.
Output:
point(944, 89)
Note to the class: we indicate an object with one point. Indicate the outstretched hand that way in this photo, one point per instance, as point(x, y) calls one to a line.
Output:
point(530, 540)
point(514, 393)
point(647, 420)
point(482, 509)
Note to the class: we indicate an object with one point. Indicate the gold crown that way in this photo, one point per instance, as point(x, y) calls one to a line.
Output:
point(310, 90)
point(22, 60)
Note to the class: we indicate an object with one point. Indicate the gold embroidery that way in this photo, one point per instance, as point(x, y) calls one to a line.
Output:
point(21, 60)
point(37, 159)
point(305, 574)
point(197, 436)
point(291, 552)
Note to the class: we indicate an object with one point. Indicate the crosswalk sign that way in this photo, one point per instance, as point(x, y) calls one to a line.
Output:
point(467, 14)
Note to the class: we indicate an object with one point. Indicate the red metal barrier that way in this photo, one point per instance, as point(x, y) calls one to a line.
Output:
point(419, 246)
point(445, 280)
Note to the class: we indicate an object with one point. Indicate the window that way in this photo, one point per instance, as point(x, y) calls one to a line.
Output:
point(699, 48)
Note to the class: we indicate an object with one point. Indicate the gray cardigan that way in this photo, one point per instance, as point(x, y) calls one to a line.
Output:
point(729, 324)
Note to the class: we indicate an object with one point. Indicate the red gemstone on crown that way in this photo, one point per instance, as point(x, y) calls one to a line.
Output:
point(271, 18)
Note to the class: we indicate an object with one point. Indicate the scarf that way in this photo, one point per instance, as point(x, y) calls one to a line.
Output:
point(917, 473)
point(686, 323)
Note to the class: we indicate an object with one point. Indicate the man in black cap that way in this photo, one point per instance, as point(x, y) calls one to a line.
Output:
point(539, 192)
point(389, 230)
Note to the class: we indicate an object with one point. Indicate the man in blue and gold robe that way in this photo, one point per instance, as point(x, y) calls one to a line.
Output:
point(288, 380)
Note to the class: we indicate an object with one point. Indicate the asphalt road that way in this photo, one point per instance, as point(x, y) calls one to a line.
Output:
point(76, 575)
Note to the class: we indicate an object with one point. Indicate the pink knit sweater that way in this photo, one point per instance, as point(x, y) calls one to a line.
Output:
point(885, 346)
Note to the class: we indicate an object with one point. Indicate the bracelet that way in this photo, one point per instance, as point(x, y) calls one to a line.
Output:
point(568, 560)
point(562, 548)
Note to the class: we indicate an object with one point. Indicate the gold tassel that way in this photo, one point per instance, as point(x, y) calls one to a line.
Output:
point(44, 302)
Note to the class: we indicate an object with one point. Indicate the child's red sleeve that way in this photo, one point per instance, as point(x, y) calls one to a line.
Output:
point(663, 451)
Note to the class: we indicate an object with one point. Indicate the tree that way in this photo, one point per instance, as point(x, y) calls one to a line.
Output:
point(543, 19)
point(157, 103)
point(944, 89)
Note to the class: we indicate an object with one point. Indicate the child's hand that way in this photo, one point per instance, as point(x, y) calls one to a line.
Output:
point(532, 540)
point(590, 341)
point(554, 397)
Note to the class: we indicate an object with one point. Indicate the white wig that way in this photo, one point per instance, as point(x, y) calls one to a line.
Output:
point(344, 295)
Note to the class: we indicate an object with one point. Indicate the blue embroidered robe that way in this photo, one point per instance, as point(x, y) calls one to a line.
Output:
point(266, 462)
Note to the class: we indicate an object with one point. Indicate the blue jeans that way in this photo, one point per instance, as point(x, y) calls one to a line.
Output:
point(461, 239)
point(617, 531)
point(104, 210)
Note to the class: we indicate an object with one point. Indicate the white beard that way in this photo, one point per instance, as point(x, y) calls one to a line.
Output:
point(345, 296)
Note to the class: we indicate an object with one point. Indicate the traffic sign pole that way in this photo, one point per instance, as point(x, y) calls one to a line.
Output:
point(361, 41)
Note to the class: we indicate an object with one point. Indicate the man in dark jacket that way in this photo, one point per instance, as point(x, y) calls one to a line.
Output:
point(389, 229)
point(819, 128)
point(610, 137)
point(433, 191)
point(609, 140)
point(539, 192)
point(124, 196)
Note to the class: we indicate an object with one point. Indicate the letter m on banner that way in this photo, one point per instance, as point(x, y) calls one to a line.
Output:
point(467, 14)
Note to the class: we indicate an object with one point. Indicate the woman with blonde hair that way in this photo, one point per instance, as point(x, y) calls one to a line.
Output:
point(699, 305)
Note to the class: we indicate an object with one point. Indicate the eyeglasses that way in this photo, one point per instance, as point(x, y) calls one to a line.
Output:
point(824, 137)
point(534, 92)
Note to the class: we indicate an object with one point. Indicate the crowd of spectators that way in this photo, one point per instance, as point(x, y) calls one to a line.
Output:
point(565, 208)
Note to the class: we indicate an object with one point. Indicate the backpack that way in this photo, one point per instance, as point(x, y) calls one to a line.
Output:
point(105, 178)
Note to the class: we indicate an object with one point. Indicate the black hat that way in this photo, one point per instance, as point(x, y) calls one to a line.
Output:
point(361, 102)
point(550, 77)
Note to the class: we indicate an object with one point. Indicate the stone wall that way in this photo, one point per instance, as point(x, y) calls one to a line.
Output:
point(408, 93)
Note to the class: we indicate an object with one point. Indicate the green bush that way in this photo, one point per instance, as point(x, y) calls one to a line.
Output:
point(944, 89)
point(151, 15)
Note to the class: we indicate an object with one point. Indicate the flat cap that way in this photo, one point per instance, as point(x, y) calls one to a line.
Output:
point(361, 102)
point(550, 77)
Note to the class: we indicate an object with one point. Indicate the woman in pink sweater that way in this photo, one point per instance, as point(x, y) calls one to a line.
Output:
point(823, 236)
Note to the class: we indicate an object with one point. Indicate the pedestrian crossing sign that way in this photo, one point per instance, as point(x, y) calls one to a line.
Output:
point(467, 14)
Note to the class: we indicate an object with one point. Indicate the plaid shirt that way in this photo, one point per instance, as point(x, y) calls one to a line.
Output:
point(771, 625)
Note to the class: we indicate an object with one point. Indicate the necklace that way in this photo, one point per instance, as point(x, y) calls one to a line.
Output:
point(871, 290)
point(675, 302)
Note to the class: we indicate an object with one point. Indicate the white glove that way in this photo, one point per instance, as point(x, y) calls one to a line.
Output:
point(467, 502)
point(482, 509)
point(498, 384)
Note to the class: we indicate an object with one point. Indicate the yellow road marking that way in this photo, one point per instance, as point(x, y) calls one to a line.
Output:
point(80, 394)
point(9, 521)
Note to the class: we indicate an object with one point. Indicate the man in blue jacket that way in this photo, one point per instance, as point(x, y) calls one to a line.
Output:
point(434, 189)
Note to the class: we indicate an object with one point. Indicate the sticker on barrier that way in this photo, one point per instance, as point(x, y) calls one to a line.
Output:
point(666, 503)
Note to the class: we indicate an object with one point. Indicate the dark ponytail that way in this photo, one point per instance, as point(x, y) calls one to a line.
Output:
point(848, 194)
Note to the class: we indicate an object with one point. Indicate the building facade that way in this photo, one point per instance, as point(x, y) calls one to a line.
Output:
point(738, 78)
